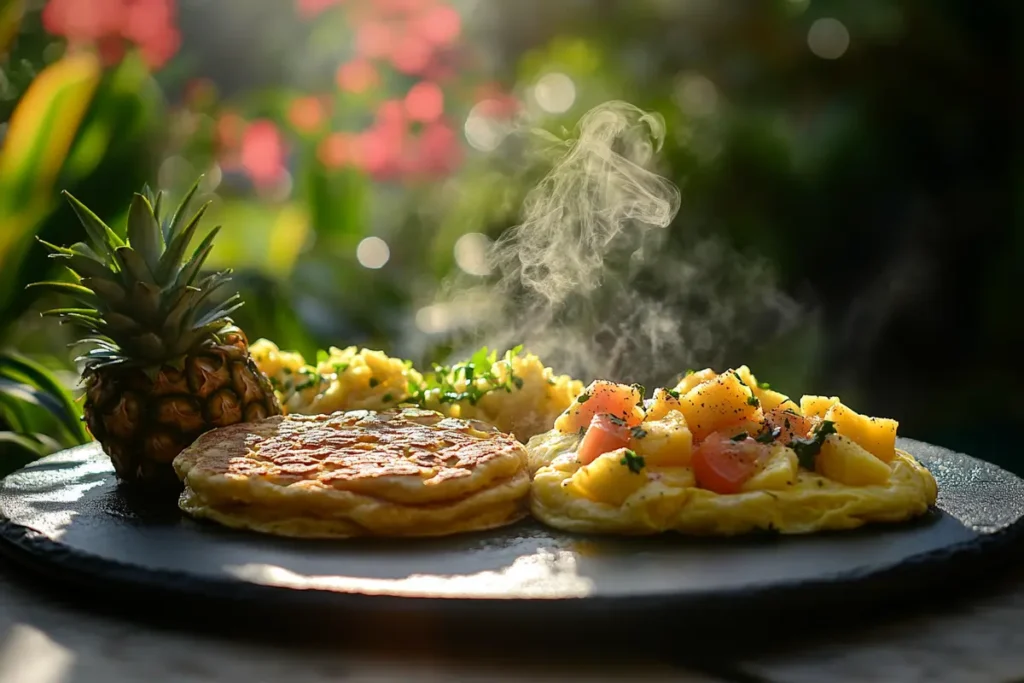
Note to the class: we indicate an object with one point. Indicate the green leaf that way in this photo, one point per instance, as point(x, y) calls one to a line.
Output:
point(191, 269)
point(134, 268)
point(144, 234)
point(105, 239)
point(175, 254)
point(110, 293)
point(221, 312)
point(78, 292)
point(171, 229)
point(68, 411)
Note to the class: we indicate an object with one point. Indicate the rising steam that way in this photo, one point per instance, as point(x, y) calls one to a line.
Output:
point(588, 281)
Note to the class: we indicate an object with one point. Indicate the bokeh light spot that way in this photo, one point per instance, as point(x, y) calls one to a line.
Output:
point(357, 76)
point(471, 253)
point(373, 252)
point(485, 131)
point(555, 93)
point(440, 25)
point(307, 114)
point(696, 95)
point(425, 102)
point(335, 150)
point(262, 153)
point(828, 38)
point(375, 39)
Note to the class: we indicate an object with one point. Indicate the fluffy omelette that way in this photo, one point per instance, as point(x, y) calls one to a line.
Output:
point(720, 454)
point(400, 472)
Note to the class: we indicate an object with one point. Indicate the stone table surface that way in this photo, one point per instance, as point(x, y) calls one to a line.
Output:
point(47, 637)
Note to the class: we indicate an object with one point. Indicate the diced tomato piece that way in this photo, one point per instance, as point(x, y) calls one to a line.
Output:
point(789, 423)
point(605, 434)
point(723, 465)
point(602, 397)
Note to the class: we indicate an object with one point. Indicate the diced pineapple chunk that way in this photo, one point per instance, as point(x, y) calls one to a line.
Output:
point(771, 399)
point(877, 435)
point(816, 406)
point(694, 378)
point(747, 376)
point(675, 477)
point(661, 404)
point(719, 403)
point(664, 443)
point(779, 471)
point(608, 479)
point(842, 460)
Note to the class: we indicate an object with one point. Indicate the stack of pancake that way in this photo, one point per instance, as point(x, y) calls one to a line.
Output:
point(401, 472)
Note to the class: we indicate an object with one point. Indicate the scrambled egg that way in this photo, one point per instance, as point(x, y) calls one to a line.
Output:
point(720, 454)
point(516, 393)
point(342, 379)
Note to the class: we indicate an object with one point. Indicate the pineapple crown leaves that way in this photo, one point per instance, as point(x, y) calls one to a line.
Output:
point(139, 299)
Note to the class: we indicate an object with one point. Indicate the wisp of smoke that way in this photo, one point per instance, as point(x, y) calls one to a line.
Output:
point(586, 280)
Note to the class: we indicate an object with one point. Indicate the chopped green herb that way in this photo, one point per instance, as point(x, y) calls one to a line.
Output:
point(764, 385)
point(640, 388)
point(752, 401)
point(689, 372)
point(340, 368)
point(469, 381)
point(583, 431)
point(673, 393)
point(616, 420)
point(808, 448)
point(518, 381)
point(583, 398)
point(739, 378)
point(768, 435)
point(634, 462)
point(322, 356)
point(387, 398)
point(374, 382)
point(286, 371)
point(638, 432)
point(739, 437)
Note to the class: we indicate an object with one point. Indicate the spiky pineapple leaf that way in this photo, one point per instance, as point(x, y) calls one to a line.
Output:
point(82, 266)
point(78, 292)
point(143, 232)
point(175, 254)
point(133, 266)
point(99, 232)
point(83, 312)
point(220, 313)
point(171, 229)
point(191, 270)
point(112, 294)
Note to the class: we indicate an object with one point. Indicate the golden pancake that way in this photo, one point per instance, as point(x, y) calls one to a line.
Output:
point(401, 472)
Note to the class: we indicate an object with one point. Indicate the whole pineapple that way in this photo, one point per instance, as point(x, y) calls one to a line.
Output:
point(167, 362)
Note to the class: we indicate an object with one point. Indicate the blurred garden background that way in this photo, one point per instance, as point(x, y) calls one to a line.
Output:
point(852, 169)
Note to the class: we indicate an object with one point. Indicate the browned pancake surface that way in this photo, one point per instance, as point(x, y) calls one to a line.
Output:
point(402, 455)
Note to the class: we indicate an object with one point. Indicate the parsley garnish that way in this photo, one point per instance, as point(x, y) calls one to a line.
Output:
point(634, 462)
point(583, 431)
point(616, 420)
point(689, 372)
point(807, 449)
point(583, 398)
point(478, 375)
point(638, 432)
point(752, 401)
point(374, 382)
point(387, 398)
point(768, 435)
point(739, 378)
point(322, 356)
point(340, 367)
point(673, 393)
point(739, 437)
point(764, 385)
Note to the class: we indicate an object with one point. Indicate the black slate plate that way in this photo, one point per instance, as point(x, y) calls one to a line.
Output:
point(66, 515)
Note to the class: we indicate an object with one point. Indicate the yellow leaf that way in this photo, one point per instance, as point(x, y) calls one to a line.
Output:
point(39, 136)
point(11, 12)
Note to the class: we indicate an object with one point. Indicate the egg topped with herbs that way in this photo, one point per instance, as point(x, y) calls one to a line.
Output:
point(720, 454)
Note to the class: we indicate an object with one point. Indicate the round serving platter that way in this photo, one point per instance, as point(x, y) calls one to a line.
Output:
point(65, 515)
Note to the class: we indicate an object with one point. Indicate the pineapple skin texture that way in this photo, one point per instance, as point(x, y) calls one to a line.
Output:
point(143, 423)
